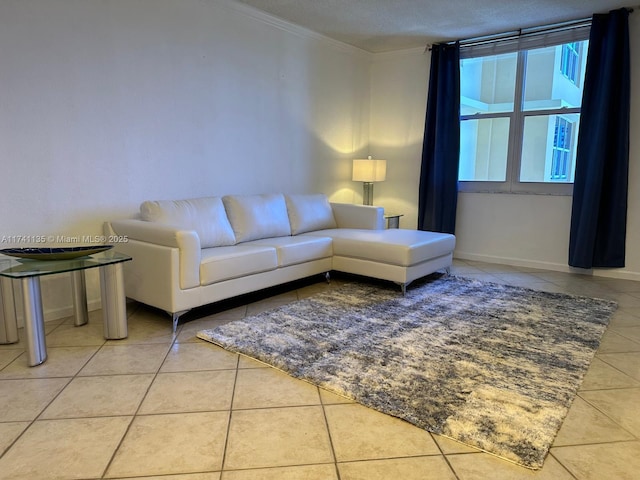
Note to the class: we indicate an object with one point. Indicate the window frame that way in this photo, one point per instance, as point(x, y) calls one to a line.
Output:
point(521, 45)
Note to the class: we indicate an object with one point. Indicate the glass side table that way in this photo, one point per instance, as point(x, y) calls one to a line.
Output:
point(393, 219)
point(28, 273)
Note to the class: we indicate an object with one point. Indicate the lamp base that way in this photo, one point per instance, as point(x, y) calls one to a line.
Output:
point(367, 193)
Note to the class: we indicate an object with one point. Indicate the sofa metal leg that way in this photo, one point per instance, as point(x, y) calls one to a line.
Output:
point(403, 287)
point(447, 271)
point(175, 317)
point(327, 277)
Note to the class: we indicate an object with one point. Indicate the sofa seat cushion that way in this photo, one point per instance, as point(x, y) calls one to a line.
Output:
point(224, 263)
point(253, 217)
point(396, 246)
point(294, 250)
point(206, 216)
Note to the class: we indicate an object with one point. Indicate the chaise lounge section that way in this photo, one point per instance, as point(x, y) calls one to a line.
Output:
point(193, 252)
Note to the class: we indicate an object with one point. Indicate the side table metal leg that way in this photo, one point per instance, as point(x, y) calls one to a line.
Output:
point(8, 319)
point(33, 321)
point(114, 302)
point(79, 293)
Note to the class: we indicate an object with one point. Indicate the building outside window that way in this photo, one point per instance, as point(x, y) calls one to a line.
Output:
point(570, 64)
point(520, 117)
point(562, 143)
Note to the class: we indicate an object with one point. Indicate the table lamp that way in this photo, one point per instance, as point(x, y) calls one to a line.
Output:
point(368, 171)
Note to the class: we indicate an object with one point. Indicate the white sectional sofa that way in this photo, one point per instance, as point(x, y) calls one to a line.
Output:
point(189, 253)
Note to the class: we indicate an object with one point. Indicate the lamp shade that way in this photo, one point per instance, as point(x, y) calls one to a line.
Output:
point(369, 170)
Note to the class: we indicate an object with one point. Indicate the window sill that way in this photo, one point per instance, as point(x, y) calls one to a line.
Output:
point(562, 190)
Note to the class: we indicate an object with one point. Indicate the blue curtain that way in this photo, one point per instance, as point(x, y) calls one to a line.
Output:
point(438, 194)
point(599, 214)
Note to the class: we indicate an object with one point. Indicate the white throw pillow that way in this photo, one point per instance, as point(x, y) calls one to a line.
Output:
point(257, 216)
point(309, 212)
point(206, 215)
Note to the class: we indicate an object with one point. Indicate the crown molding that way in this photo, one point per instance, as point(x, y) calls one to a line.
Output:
point(414, 51)
point(292, 28)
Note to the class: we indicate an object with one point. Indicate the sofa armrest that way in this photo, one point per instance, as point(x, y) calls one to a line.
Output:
point(157, 233)
point(186, 242)
point(350, 215)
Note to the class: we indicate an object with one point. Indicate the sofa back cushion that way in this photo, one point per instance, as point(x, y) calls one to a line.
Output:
point(206, 215)
point(257, 216)
point(309, 212)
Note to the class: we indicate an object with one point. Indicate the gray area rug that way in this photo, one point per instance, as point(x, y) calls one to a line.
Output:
point(492, 366)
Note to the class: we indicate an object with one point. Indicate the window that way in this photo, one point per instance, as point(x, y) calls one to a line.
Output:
point(570, 63)
point(561, 162)
point(520, 117)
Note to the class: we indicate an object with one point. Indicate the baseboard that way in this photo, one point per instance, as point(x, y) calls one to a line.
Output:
point(53, 314)
point(556, 267)
point(58, 313)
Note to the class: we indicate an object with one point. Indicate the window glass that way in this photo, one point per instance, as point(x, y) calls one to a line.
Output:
point(487, 84)
point(551, 77)
point(483, 150)
point(549, 148)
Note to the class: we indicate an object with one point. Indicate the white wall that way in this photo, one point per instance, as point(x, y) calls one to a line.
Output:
point(526, 230)
point(107, 103)
point(398, 106)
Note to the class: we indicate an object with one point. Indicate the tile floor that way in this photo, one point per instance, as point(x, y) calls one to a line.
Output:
point(176, 408)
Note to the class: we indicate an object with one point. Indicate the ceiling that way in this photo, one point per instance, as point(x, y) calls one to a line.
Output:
point(385, 25)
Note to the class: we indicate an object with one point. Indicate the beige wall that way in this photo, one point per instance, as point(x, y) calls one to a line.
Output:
point(398, 103)
point(107, 103)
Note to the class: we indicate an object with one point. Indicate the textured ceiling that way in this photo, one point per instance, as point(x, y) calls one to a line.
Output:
point(385, 25)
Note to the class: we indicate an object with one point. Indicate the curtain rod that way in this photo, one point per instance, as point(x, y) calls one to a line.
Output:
point(523, 32)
